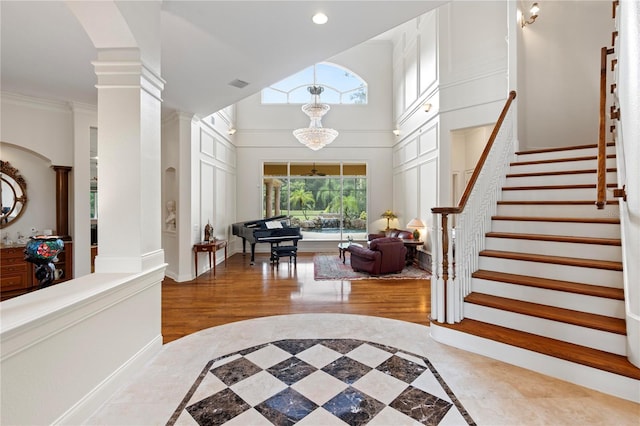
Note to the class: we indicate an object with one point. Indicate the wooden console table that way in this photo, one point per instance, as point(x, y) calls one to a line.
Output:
point(211, 248)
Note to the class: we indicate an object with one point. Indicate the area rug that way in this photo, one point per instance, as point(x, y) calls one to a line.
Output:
point(330, 267)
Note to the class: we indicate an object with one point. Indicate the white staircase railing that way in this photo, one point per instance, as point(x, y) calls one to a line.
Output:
point(453, 264)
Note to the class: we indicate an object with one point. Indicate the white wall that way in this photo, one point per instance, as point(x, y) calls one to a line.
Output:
point(85, 117)
point(61, 138)
point(467, 147)
point(199, 174)
point(265, 134)
point(40, 210)
point(33, 149)
point(627, 142)
point(454, 58)
point(559, 73)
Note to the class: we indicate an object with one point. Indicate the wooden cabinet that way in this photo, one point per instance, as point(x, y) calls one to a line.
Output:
point(17, 275)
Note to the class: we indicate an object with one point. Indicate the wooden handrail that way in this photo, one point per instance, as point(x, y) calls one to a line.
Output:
point(601, 184)
point(444, 212)
point(483, 158)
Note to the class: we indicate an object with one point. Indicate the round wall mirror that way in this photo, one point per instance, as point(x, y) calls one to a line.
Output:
point(13, 193)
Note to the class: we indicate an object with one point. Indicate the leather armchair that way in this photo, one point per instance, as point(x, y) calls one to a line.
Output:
point(384, 256)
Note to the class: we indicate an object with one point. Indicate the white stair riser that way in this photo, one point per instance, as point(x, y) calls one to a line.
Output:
point(559, 166)
point(559, 299)
point(554, 248)
point(552, 271)
point(598, 230)
point(571, 179)
point(559, 210)
point(584, 152)
point(601, 340)
point(565, 194)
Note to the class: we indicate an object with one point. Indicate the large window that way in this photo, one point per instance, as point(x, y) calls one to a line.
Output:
point(327, 201)
point(341, 86)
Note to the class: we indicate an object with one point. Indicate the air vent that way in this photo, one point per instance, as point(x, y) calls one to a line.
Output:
point(238, 83)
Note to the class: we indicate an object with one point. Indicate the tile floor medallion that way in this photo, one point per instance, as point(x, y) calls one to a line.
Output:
point(320, 382)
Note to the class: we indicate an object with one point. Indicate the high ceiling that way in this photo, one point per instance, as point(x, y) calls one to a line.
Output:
point(45, 52)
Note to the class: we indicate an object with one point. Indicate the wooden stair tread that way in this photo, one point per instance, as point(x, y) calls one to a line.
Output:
point(549, 284)
point(567, 316)
point(545, 187)
point(582, 355)
point(556, 260)
point(557, 238)
point(555, 202)
point(604, 220)
point(562, 148)
point(559, 160)
point(559, 172)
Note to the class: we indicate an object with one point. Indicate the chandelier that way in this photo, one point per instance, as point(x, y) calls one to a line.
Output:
point(315, 136)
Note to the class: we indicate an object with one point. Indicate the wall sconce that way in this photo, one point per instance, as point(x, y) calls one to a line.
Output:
point(426, 107)
point(232, 131)
point(396, 132)
point(534, 15)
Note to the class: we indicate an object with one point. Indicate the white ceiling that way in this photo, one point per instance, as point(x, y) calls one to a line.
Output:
point(45, 52)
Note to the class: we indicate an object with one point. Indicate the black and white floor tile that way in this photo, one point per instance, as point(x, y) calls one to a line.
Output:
point(337, 369)
point(322, 382)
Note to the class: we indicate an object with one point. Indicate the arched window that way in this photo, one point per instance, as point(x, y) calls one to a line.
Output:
point(341, 86)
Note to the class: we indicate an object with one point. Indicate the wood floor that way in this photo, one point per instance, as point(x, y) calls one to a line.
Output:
point(240, 291)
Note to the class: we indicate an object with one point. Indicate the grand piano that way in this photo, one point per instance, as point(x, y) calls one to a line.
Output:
point(263, 231)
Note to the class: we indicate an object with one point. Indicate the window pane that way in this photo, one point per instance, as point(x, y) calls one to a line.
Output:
point(341, 86)
point(270, 96)
point(302, 78)
point(300, 95)
point(321, 201)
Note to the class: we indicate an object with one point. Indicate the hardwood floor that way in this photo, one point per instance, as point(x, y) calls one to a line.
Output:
point(240, 291)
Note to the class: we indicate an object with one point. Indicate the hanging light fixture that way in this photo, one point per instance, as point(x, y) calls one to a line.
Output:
point(315, 136)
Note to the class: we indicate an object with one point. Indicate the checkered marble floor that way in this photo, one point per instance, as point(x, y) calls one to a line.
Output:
point(343, 366)
point(320, 382)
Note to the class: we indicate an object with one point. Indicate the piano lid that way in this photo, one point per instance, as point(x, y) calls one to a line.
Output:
point(260, 222)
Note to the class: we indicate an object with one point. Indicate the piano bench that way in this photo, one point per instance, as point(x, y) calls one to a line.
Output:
point(284, 251)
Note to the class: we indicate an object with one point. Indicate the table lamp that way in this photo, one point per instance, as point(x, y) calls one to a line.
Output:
point(388, 215)
point(416, 224)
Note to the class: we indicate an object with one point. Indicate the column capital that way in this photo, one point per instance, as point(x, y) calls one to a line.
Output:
point(127, 71)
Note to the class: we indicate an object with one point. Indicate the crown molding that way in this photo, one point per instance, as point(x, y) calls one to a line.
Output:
point(33, 102)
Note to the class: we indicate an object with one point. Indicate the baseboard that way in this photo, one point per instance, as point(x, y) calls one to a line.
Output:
point(601, 381)
point(92, 401)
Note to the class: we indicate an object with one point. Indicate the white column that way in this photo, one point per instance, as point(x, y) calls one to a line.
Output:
point(130, 167)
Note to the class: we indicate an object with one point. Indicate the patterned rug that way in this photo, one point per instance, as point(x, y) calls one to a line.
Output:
point(330, 267)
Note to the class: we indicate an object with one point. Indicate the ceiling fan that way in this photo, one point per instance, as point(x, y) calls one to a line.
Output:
point(314, 172)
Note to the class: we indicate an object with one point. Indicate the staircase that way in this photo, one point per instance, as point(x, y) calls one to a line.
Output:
point(550, 279)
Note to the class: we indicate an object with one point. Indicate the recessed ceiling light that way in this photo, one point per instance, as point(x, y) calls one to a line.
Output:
point(319, 18)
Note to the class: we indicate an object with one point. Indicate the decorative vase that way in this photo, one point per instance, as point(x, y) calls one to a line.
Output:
point(43, 251)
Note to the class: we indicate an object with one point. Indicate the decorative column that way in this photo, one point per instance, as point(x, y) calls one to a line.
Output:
point(130, 165)
point(62, 201)
point(277, 184)
point(268, 197)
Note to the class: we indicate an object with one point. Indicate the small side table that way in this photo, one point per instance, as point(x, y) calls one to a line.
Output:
point(342, 248)
point(211, 248)
point(412, 248)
